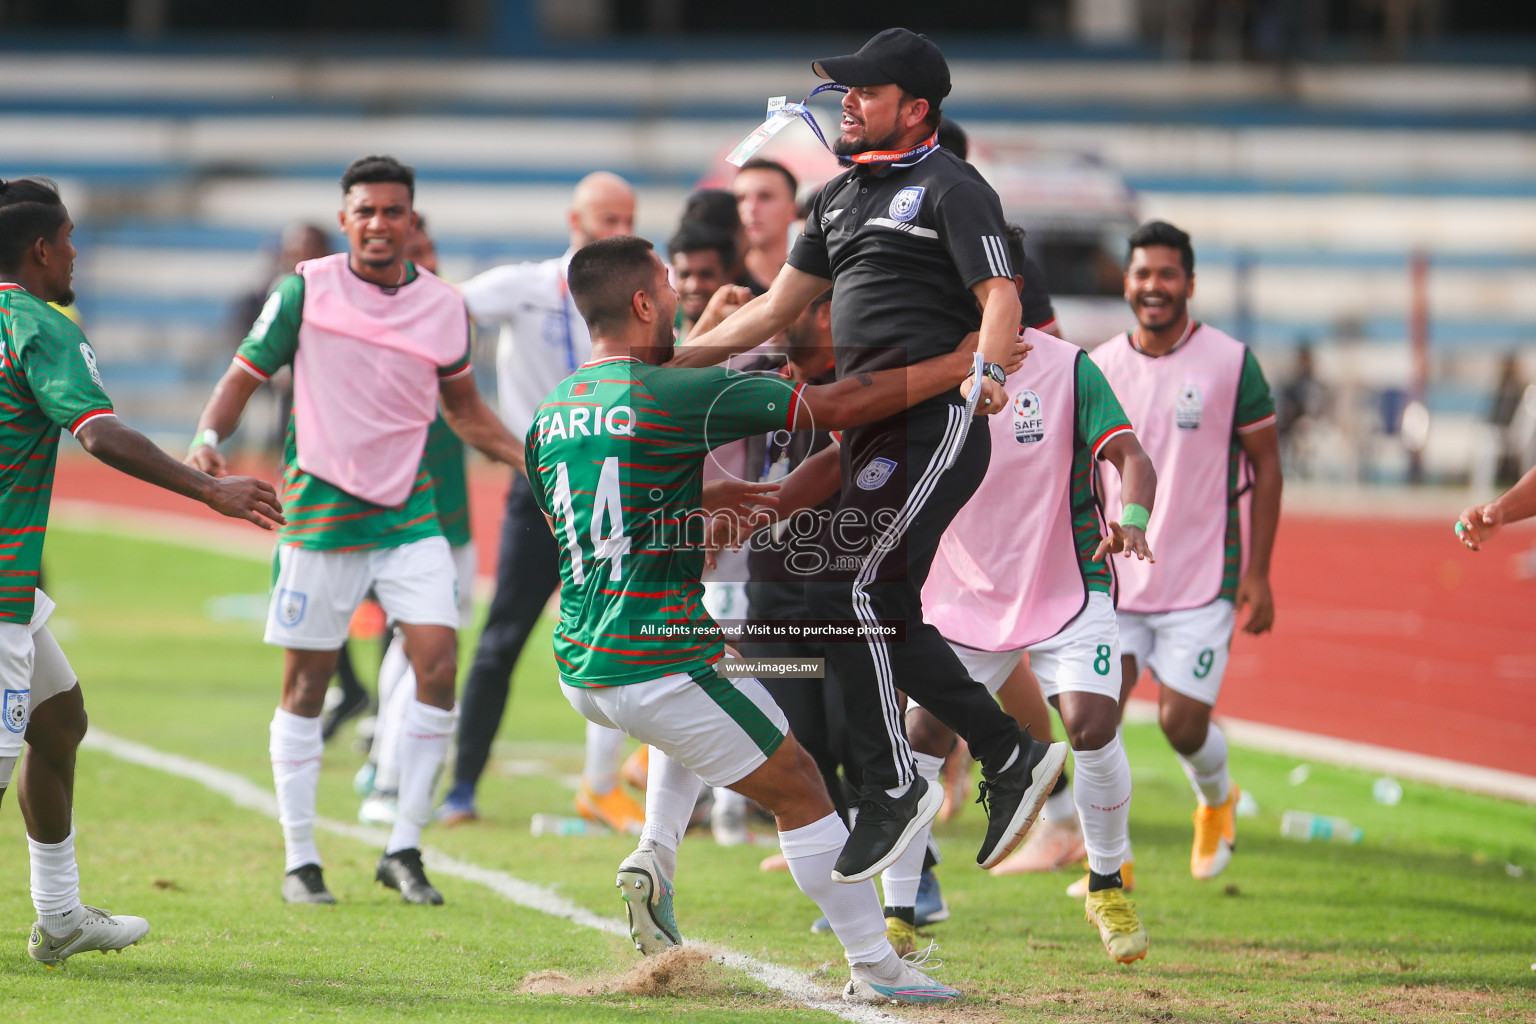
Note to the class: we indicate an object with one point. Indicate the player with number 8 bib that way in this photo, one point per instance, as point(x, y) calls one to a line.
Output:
point(1044, 585)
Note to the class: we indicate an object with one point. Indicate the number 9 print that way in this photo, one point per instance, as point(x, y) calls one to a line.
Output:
point(1204, 662)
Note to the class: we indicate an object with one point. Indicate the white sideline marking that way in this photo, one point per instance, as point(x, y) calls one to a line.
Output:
point(243, 792)
point(215, 536)
point(1472, 778)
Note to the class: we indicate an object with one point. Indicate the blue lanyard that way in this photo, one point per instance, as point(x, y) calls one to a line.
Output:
point(896, 158)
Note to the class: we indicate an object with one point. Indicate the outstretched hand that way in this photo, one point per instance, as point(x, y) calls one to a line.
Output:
point(1129, 539)
point(246, 497)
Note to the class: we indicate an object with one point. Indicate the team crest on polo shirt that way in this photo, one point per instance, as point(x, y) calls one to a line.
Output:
point(16, 704)
point(907, 202)
point(291, 606)
point(873, 476)
point(1028, 418)
point(1190, 405)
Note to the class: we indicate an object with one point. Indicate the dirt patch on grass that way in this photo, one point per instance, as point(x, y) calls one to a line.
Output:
point(685, 971)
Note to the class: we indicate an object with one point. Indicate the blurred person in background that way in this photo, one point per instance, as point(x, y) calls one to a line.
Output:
point(1507, 397)
point(543, 339)
point(1301, 403)
point(299, 241)
point(716, 207)
point(379, 779)
point(765, 201)
point(702, 256)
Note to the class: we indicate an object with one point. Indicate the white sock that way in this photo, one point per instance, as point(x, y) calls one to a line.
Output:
point(397, 688)
point(1058, 806)
point(1207, 768)
point(670, 793)
point(296, 747)
point(55, 884)
point(853, 910)
point(1103, 790)
point(601, 771)
point(424, 739)
point(899, 881)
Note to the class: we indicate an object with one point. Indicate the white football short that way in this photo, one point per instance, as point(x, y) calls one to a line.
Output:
point(723, 729)
point(33, 668)
point(1083, 658)
point(317, 591)
point(1186, 650)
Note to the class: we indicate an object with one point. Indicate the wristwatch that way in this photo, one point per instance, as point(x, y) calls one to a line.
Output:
point(995, 371)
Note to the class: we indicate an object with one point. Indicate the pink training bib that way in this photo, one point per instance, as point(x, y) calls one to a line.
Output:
point(365, 380)
point(1182, 405)
point(1006, 574)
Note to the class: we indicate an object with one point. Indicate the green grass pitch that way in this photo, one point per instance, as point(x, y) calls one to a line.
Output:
point(1430, 918)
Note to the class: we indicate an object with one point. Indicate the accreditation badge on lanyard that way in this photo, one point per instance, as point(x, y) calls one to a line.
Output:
point(782, 113)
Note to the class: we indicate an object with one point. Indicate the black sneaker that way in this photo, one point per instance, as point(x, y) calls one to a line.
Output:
point(884, 828)
point(305, 884)
point(1015, 795)
point(402, 870)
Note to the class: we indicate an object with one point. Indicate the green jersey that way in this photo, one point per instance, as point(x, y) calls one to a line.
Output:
point(48, 381)
point(615, 459)
point(1255, 406)
point(322, 516)
point(444, 461)
point(1097, 417)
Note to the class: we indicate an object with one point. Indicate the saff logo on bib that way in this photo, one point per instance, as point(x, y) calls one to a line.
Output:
point(1191, 404)
point(1028, 418)
point(17, 703)
point(873, 476)
point(907, 202)
point(291, 606)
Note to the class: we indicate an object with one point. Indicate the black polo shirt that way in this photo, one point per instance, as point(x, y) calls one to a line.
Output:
point(903, 246)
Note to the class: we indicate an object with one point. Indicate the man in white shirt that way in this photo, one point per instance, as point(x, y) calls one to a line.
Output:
point(543, 339)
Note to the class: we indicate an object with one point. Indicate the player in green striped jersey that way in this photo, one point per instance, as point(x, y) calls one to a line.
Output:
point(375, 345)
point(49, 381)
point(615, 459)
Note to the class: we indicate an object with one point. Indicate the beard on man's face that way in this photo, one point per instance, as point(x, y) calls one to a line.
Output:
point(66, 297)
point(845, 147)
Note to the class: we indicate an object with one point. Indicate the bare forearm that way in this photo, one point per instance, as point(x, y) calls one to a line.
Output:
point(999, 321)
point(812, 482)
point(1267, 485)
point(125, 449)
point(1138, 480)
point(1519, 502)
point(484, 432)
point(230, 395)
point(742, 331)
point(868, 397)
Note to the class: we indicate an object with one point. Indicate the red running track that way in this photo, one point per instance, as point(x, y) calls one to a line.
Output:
point(1387, 632)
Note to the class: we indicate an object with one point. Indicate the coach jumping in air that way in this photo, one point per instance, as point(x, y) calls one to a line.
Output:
point(915, 240)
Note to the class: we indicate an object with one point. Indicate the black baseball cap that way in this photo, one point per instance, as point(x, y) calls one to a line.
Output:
point(897, 55)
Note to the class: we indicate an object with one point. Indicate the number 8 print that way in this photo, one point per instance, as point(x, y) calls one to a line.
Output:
point(1101, 663)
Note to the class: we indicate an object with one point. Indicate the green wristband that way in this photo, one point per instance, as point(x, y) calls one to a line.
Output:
point(1132, 514)
point(209, 437)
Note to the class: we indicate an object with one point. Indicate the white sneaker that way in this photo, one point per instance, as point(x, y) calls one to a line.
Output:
point(894, 980)
point(379, 809)
point(728, 824)
point(97, 930)
point(647, 896)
